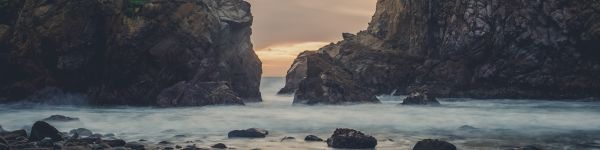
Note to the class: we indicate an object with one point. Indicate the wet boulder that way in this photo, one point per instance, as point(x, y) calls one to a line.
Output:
point(115, 143)
point(135, 146)
point(420, 97)
point(81, 132)
point(248, 133)
point(430, 144)
point(219, 146)
point(60, 118)
point(313, 138)
point(351, 139)
point(41, 130)
point(14, 135)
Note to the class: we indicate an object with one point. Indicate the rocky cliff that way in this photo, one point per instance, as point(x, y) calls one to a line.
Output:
point(132, 52)
point(545, 49)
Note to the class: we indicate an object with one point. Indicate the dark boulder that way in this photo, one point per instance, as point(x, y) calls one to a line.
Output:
point(81, 132)
point(420, 97)
point(351, 139)
point(13, 135)
point(326, 83)
point(429, 144)
point(248, 133)
point(60, 118)
point(41, 130)
point(220, 146)
point(115, 143)
point(313, 138)
point(135, 146)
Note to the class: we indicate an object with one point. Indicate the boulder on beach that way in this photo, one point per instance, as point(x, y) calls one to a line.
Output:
point(351, 139)
point(313, 138)
point(81, 132)
point(430, 144)
point(41, 130)
point(420, 97)
point(287, 138)
point(12, 135)
point(219, 146)
point(248, 133)
point(60, 118)
point(115, 143)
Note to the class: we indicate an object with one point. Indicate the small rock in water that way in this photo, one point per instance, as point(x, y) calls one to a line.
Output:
point(420, 97)
point(466, 127)
point(219, 145)
point(81, 132)
point(115, 143)
point(178, 147)
point(180, 136)
point(96, 135)
point(528, 147)
point(164, 142)
point(41, 130)
point(287, 138)
point(313, 138)
point(2, 129)
point(248, 133)
point(429, 144)
point(351, 139)
point(109, 135)
point(60, 118)
point(135, 146)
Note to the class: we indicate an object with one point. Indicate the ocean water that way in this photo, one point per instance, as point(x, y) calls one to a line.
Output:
point(501, 124)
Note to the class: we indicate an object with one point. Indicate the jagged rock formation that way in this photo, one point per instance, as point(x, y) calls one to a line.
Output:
point(125, 51)
point(326, 83)
point(475, 48)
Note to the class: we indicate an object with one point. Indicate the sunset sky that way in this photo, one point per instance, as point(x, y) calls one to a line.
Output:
point(284, 28)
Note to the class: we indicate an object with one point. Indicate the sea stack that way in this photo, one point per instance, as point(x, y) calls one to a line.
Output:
point(477, 49)
point(127, 52)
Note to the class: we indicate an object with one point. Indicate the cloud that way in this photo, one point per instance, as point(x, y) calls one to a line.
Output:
point(297, 21)
point(284, 28)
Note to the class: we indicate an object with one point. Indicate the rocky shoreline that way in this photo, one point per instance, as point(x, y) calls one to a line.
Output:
point(44, 136)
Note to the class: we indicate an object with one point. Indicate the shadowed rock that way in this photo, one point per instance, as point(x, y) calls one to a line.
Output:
point(351, 139)
point(420, 98)
point(313, 138)
point(248, 133)
point(199, 94)
point(326, 83)
point(475, 49)
point(41, 130)
point(429, 144)
point(220, 146)
point(118, 53)
point(60, 118)
point(81, 132)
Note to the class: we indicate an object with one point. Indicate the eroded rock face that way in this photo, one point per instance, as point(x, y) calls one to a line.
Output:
point(118, 52)
point(326, 83)
point(479, 49)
